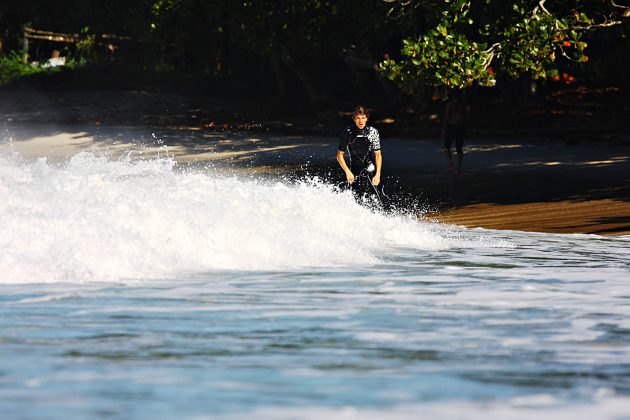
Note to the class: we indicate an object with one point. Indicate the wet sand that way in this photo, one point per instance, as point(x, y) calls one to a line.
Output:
point(602, 217)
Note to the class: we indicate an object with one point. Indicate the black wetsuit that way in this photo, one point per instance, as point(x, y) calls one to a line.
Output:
point(361, 143)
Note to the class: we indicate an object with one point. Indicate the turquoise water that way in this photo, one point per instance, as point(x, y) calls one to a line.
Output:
point(139, 289)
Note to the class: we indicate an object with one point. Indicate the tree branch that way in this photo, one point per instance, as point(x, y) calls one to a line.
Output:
point(612, 2)
point(606, 24)
point(490, 57)
point(541, 6)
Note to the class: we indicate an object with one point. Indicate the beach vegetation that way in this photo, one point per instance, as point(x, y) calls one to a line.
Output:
point(325, 51)
point(458, 43)
point(13, 67)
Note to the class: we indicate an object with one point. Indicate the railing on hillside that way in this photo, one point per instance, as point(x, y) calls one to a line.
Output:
point(37, 34)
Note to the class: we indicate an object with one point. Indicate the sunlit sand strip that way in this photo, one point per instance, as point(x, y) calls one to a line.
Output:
point(603, 217)
point(61, 146)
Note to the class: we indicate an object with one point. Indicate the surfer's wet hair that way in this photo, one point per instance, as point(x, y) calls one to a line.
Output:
point(361, 110)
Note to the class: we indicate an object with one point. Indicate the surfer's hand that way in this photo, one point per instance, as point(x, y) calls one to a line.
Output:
point(350, 177)
point(376, 179)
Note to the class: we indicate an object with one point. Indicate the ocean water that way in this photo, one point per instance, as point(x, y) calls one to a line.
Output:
point(142, 289)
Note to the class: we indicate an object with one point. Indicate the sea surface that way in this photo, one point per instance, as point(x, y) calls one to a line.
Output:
point(140, 288)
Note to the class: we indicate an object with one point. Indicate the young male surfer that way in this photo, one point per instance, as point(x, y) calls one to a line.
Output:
point(363, 144)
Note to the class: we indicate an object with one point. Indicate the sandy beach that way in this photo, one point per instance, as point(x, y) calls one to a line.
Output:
point(530, 184)
point(602, 217)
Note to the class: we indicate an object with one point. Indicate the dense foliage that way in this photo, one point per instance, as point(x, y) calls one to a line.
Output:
point(467, 41)
point(12, 67)
point(319, 46)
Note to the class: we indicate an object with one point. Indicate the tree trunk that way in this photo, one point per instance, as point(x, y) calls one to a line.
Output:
point(515, 95)
point(281, 89)
point(314, 96)
point(523, 97)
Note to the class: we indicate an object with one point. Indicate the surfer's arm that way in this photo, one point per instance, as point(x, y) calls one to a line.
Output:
point(344, 166)
point(378, 157)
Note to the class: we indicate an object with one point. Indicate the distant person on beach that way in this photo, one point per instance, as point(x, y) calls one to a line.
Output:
point(454, 128)
point(362, 142)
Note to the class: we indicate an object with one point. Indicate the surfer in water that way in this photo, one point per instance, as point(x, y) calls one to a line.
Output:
point(363, 144)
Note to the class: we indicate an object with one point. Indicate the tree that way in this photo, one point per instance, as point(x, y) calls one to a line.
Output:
point(461, 42)
point(267, 42)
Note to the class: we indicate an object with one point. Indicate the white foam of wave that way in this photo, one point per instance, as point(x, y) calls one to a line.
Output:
point(93, 218)
point(604, 404)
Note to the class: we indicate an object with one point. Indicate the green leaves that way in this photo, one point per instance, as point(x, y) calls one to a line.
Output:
point(444, 56)
point(476, 41)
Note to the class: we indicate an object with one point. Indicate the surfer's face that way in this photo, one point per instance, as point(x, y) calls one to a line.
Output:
point(360, 120)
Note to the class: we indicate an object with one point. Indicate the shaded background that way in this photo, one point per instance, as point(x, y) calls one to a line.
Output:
point(289, 57)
